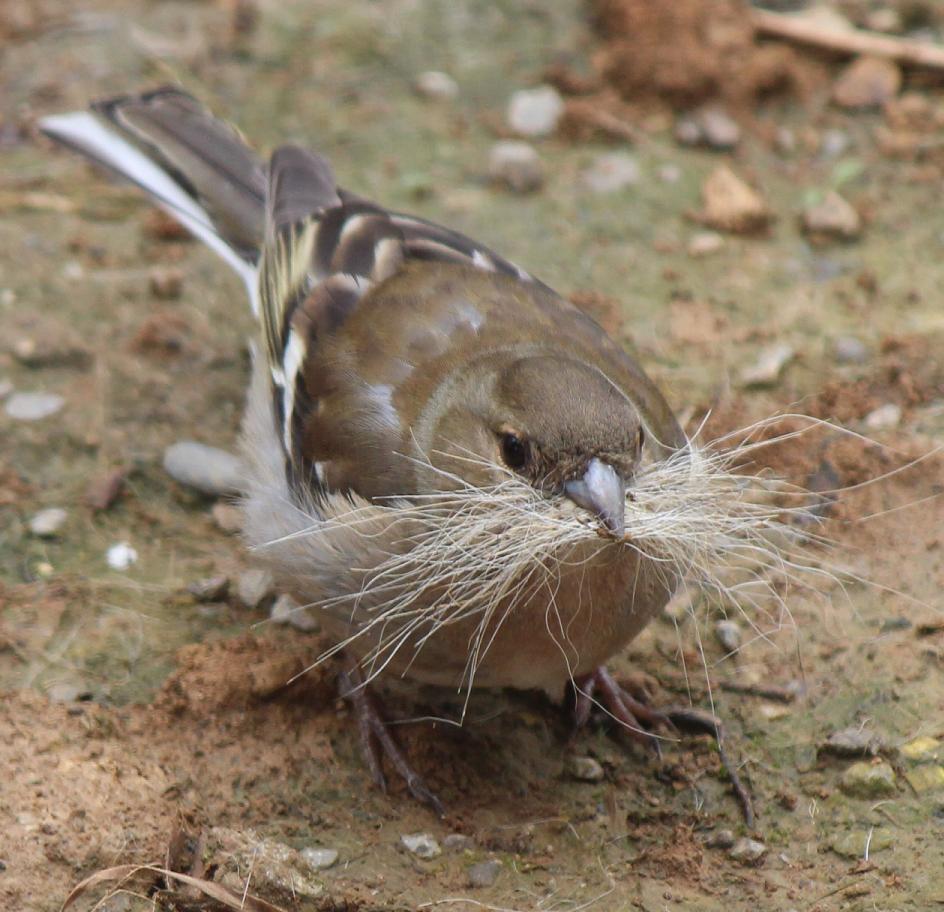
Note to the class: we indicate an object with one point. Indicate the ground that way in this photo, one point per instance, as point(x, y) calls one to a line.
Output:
point(131, 712)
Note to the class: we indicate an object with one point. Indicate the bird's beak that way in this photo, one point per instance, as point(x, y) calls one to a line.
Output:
point(603, 493)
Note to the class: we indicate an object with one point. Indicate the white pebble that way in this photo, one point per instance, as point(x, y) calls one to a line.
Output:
point(121, 556)
point(584, 769)
point(33, 406)
point(517, 165)
point(884, 417)
point(208, 469)
point(423, 845)
point(436, 85)
point(729, 635)
point(254, 586)
point(535, 112)
point(705, 243)
point(320, 859)
point(770, 362)
point(285, 610)
point(46, 523)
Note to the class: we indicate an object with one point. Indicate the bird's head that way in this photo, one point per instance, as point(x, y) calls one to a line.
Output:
point(558, 423)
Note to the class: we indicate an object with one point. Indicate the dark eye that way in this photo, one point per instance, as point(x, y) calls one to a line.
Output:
point(514, 451)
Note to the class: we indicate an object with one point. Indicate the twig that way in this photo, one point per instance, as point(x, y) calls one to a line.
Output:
point(847, 41)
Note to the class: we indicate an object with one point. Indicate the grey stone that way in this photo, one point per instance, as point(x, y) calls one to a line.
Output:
point(285, 610)
point(213, 589)
point(516, 165)
point(884, 417)
point(584, 769)
point(856, 843)
point(720, 839)
point(611, 172)
point(423, 845)
point(535, 112)
point(852, 742)
point(436, 85)
point(729, 635)
point(485, 873)
point(47, 523)
point(254, 586)
point(207, 469)
point(458, 842)
point(850, 350)
point(33, 406)
point(750, 851)
point(719, 129)
point(869, 780)
point(319, 859)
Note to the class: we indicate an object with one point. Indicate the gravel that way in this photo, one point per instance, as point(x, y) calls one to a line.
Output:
point(204, 468)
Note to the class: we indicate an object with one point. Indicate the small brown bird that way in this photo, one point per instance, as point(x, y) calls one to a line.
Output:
point(472, 483)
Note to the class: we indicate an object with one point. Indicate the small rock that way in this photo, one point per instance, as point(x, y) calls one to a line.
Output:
point(205, 468)
point(611, 173)
point(750, 851)
point(46, 523)
point(731, 205)
point(319, 859)
point(458, 842)
point(833, 217)
point(833, 144)
point(720, 839)
point(254, 586)
point(922, 750)
point(850, 350)
point(669, 173)
point(868, 82)
point(277, 868)
point(853, 845)
point(32, 406)
point(768, 367)
point(228, 518)
point(927, 778)
point(516, 165)
point(535, 112)
point(436, 85)
point(884, 417)
point(65, 692)
point(214, 589)
point(852, 742)
point(728, 633)
point(285, 610)
point(584, 769)
point(705, 243)
point(166, 283)
point(105, 489)
point(719, 129)
point(121, 556)
point(423, 845)
point(687, 131)
point(485, 873)
point(868, 780)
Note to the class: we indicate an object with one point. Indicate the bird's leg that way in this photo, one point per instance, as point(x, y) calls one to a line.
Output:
point(638, 720)
point(377, 742)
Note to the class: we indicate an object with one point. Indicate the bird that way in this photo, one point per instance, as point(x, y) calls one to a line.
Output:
point(445, 458)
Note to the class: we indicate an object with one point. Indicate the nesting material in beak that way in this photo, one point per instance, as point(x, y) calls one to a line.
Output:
point(603, 493)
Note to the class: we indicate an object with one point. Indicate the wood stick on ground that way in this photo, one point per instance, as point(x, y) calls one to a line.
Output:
point(847, 41)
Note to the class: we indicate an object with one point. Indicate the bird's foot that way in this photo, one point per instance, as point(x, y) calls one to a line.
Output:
point(377, 742)
point(630, 707)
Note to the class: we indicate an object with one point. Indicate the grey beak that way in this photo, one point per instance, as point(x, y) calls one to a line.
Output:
point(603, 493)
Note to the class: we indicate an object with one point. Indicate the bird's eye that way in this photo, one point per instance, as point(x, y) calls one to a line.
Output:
point(514, 451)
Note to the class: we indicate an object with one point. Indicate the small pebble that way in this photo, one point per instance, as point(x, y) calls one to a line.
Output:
point(711, 126)
point(228, 518)
point(47, 523)
point(850, 350)
point(852, 742)
point(869, 780)
point(423, 845)
point(769, 365)
point(868, 82)
point(121, 556)
point(729, 635)
point(436, 85)
point(485, 873)
point(319, 859)
point(516, 165)
point(65, 692)
point(833, 217)
point(458, 842)
point(584, 769)
point(730, 204)
point(611, 173)
point(748, 850)
point(833, 144)
point(254, 586)
point(705, 243)
point(285, 610)
point(166, 283)
point(33, 406)
point(922, 750)
point(854, 844)
point(213, 589)
point(204, 468)
point(720, 839)
point(535, 112)
point(884, 417)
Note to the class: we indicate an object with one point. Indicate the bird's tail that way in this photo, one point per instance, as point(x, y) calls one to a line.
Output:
point(193, 165)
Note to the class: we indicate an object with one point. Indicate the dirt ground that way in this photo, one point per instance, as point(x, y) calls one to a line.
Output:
point(132, 714)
